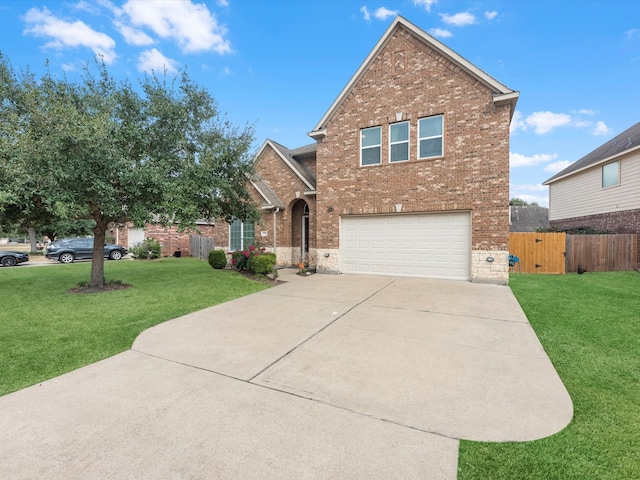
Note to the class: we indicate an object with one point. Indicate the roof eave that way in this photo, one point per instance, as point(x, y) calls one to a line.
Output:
point(592, 165)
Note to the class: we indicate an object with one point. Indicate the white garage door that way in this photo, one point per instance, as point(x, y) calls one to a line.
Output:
point(428, 245)
point(136, 236)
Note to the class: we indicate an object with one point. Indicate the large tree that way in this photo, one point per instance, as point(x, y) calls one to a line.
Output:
point(103, 150)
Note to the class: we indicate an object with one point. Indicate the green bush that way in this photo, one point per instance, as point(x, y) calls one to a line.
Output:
point(264, 264)
point(217, 258)
point(147, 250)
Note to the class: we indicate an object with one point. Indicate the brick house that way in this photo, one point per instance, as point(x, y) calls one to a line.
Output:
point(602, 189)
point(408, 175)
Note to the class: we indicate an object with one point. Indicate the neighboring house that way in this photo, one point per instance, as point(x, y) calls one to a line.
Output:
point(602, 189)
point(408, 175)
point(169, 237)
point(528, 218)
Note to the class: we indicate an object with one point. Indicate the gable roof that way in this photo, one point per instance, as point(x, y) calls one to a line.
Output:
point(269, 196)
point(627, 141)
point(501, 93)
point(526, 218)
point(289, 157)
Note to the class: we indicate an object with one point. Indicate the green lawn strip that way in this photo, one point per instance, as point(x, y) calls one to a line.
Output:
point(46, 331)
point(589, 326)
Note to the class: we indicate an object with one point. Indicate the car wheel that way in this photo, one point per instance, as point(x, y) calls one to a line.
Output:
point(8, 261)
point(66, 257)
point(115, 255)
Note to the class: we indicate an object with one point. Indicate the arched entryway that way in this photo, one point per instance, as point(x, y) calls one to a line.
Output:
point(300, 231)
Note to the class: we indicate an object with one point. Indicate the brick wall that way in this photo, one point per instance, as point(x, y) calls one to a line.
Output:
point(473, 173)
point(171, 239)
point(290, 189)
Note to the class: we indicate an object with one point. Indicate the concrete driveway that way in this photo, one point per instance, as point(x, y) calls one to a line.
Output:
point(324, 377)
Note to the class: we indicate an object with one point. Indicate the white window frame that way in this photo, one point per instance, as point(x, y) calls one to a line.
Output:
point(242, 235)
point(617, 182)
point(368, 147)
point(441, 137)
point(392, 143)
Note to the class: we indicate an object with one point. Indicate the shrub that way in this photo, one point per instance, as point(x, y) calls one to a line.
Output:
point(265, 263)
point(217, 259)
point(245, 259)
point(146, 250)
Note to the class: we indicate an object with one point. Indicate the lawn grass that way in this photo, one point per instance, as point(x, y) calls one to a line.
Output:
point(46, 331)
point(589, 326)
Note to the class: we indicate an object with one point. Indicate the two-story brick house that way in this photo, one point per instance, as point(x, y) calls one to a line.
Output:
point(408, 175)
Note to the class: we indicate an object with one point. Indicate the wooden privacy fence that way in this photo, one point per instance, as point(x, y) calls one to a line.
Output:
point(602, 253)
point(200, 246)
point(538, 252)
point(562, 253)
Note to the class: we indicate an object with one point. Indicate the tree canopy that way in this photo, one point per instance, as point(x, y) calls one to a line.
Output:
point(103, 150)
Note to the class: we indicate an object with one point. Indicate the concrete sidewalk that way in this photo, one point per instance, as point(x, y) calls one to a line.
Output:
point(322, 377)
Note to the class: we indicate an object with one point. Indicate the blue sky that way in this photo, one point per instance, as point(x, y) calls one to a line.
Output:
point(279, 65)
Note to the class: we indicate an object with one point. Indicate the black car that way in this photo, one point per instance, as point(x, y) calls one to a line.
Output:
point(66, 250)
point(9, 259)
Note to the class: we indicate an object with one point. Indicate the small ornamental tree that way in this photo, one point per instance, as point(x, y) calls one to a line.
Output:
point(102, 150)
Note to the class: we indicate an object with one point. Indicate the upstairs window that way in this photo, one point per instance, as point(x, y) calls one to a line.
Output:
point(241, 235)
point(611, 174)
point(399, 142)
point(370, 146)
point(430, 137)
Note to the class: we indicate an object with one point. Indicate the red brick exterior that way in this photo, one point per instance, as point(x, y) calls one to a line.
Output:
point(291, 190)
point(473, 173)
point(170, 238)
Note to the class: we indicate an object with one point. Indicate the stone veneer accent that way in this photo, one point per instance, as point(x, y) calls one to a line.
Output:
point(490, 272)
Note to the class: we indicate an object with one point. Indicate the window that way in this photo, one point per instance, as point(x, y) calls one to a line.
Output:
point(610, 174)
point(399, 142)
point(370, 146)
point(241, 235)
point(430, 137)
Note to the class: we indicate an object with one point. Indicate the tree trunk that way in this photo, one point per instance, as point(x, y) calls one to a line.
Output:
point(32, 239)
point(97, 263)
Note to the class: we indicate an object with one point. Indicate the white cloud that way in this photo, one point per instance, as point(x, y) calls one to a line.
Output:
point(223, 3)
point(133, 36)
point(154, 60)
point(633, 33)
point(517, 123)
point(556, 167)
point(383, 13)
point(459, 19)
point(440, 32)
point(518, 160)
point(193, 27)
point(601, 129)
point(544, 122)
point(68, 67)
point(586, 111)
point(490, 15)
point(425, 3)
point(532, 193)
point(226, 71)
point(42, 23)
point(365, 13)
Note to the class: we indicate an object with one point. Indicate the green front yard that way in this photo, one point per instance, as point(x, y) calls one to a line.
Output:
point(589, 326)
point(46, 331)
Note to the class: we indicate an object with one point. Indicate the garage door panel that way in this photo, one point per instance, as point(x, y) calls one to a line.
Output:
point(425, 245)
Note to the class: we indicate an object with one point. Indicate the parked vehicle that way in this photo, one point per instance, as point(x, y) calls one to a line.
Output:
point(66, 250)
point(9, 259)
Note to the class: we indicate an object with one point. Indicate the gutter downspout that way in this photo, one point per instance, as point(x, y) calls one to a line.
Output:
point(275, 231)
